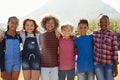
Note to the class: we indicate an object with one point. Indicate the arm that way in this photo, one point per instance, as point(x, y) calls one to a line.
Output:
point(57, 33)
point(115, 57)
point(1, 36)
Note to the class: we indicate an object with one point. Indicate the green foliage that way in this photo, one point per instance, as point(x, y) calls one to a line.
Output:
point(114, 26)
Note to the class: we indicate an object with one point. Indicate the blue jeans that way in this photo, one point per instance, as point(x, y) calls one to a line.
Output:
point(86, 76)
point(104, 72)
point(66, 73)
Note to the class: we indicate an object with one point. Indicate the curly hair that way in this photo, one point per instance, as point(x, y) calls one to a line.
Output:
point(35, 24)
point(48, 18)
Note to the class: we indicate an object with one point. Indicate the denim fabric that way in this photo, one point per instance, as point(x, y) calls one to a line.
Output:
point(103, 72)
point(86, 76)
point(66, 73)
point(49, 73)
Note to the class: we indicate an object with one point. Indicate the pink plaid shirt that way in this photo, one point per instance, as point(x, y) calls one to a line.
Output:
point(105, 47)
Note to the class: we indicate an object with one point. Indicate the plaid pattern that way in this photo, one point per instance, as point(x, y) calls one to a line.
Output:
point(105, 47)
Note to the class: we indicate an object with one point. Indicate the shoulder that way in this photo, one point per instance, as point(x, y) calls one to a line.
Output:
point(96, 31)
point(38, 34)
point(77, 38)
point(90, 35)
point(22, 33)
point(111, 32)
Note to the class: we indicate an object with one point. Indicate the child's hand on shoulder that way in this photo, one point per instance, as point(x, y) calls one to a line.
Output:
point(57, 33)
point(18, 32)
point(1, 35)
point(73, 37)
point(1, 38)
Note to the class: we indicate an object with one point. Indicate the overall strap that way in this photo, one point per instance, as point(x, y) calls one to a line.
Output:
point(27, 34)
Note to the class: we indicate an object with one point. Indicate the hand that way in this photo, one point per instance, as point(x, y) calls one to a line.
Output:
point(18, 32)
point(58, 35)
point(115, 70)
point(1, 38)
point(1, 35)
point(73, 37)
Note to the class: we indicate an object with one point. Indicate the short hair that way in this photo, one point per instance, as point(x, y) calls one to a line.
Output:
point(83, 21)
point(103, 16)
point(66, 26)
point(34, 22)
point(48, 18)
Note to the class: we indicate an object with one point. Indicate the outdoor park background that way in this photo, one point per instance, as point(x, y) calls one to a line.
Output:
point(68, 11)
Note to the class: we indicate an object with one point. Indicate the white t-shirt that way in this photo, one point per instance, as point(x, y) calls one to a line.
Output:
point(22, 35)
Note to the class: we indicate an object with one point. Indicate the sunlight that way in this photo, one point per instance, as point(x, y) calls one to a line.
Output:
point(113, 3)
point(18, 8)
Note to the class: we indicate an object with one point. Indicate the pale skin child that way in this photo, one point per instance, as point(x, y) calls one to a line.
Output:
point(66, 53)
point(30, 55)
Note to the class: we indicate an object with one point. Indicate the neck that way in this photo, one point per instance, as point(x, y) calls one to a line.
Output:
point(66, 37)
point(29, 32)
point(82, 34)
point(103, 30)
point(11, 32)
point(49, 30)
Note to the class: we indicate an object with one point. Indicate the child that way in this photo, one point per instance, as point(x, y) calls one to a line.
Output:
point(49, 48)
point(11, 43)
point(105, 50)
point(84, 46)
point(31, 52)
point(2, 66)
point(66, 54)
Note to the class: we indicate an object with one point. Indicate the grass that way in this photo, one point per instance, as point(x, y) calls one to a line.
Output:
point(116, 78)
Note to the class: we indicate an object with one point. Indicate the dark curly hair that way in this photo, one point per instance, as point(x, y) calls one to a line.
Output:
point(48, 18)
point(35, 24)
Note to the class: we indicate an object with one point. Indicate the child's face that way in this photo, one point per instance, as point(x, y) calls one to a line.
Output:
point(13, 24)
point(103, 23)
point(82, 29)
point(66, 32)
point(29, 27)
point(50, 25)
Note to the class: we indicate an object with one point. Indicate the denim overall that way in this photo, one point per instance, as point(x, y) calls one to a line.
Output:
point(12, 53)
point(31, 54)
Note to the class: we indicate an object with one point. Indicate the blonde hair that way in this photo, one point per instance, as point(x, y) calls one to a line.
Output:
point(67, 26)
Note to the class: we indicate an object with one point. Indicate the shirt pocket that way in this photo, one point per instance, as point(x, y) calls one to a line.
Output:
point(107, 40)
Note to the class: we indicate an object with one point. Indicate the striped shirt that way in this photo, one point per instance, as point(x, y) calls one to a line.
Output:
point(105, 47)
point(49, 49)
